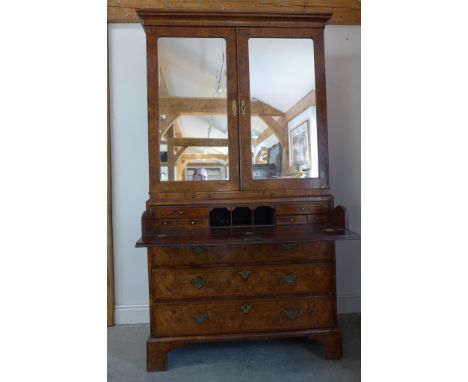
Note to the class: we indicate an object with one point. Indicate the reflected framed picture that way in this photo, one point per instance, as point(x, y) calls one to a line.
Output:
point(299, 147)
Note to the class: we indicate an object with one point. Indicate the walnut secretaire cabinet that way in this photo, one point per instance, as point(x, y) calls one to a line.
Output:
point(240, 226)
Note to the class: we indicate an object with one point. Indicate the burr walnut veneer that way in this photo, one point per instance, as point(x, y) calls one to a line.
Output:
point(249, 255)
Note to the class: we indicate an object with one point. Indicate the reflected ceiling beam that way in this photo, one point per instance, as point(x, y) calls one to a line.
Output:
point(194, 156)
point(170, 153)
point(204, 106)
point(170, 119)
point(164, 124)
point(208, 142)
point(179, 152)
point(278, 130)
point(258, 107)
point(204, 164)
point(263, 136)
point(303, 104)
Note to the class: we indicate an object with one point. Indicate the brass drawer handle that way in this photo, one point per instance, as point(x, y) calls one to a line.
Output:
point(193, 222)
point(200, 318)
point(181, 212)
point(288, 246)
point(244, 274)
point(234, 108)
point(197, 250)
point(291, 313)
point(290, 278)
point(198, 282)
point(243, 107)
point(245, 308)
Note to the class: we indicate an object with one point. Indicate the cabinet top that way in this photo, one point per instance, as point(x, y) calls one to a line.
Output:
point(178, 17)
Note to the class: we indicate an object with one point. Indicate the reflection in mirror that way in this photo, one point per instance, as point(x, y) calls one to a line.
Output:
point(282, 108)
point(193, 127)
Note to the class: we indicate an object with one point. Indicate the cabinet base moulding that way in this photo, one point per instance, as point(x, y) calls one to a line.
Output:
point(157, 348)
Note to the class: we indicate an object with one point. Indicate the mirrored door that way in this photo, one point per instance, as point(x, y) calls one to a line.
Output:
point(284, 143)
point(196, 110)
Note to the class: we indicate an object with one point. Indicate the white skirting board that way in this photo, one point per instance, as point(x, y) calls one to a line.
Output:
point(131, 314)
point(139, 314)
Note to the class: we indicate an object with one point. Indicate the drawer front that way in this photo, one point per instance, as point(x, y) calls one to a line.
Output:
point(222, 317)
point(240, 254)
point(171, 284)
point(170, 223)
point(182, 212)
point(317, 219)
point(292, 219)
point(295, 209)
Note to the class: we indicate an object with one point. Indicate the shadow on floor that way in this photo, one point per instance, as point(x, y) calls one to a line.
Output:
point(274, 360)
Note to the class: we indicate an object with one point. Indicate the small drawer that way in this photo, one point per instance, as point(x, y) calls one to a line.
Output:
point(164, 223)
point(291, 219)
point(241, 316)
point(298, 209)
point(182, 212)
point(170, 223)
point(317, 219)
point(241, 254)
point(246, 281)
point(193, 222)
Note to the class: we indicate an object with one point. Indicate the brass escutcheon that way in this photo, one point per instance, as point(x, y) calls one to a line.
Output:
point(244, 274)
point(234, 108)
point(198, 282)
point(243, 107)
point(288, 246)
point(245, 308)
point(200, 318)
point(291, 313)
point(289, 278)
point(198, 250)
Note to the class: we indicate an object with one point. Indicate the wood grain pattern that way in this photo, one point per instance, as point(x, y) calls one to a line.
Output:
point(237, 196)
point(221, 317)
point(247, 181)
point(156, 185)
point(240, 254)
point(167, 223)
point(245, 281)
point(157, 348)
point(276, 234)
point(303, 208)
point(291, 220)
point(345, 12)
point(265, 281)
point(181, 212)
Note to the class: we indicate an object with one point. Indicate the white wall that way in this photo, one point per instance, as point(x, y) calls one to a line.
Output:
point(127, 62)
point(128, 118)
point(343, 71)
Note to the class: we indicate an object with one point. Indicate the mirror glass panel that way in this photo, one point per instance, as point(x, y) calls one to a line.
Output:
point(193, 125)
point(282, 108)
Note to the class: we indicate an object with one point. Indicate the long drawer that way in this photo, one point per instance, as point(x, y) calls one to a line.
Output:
point(240, 254)
point(222, 317)
point(171, 284)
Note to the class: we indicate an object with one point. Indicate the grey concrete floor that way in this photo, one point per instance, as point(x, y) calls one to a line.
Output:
point(273, 360)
